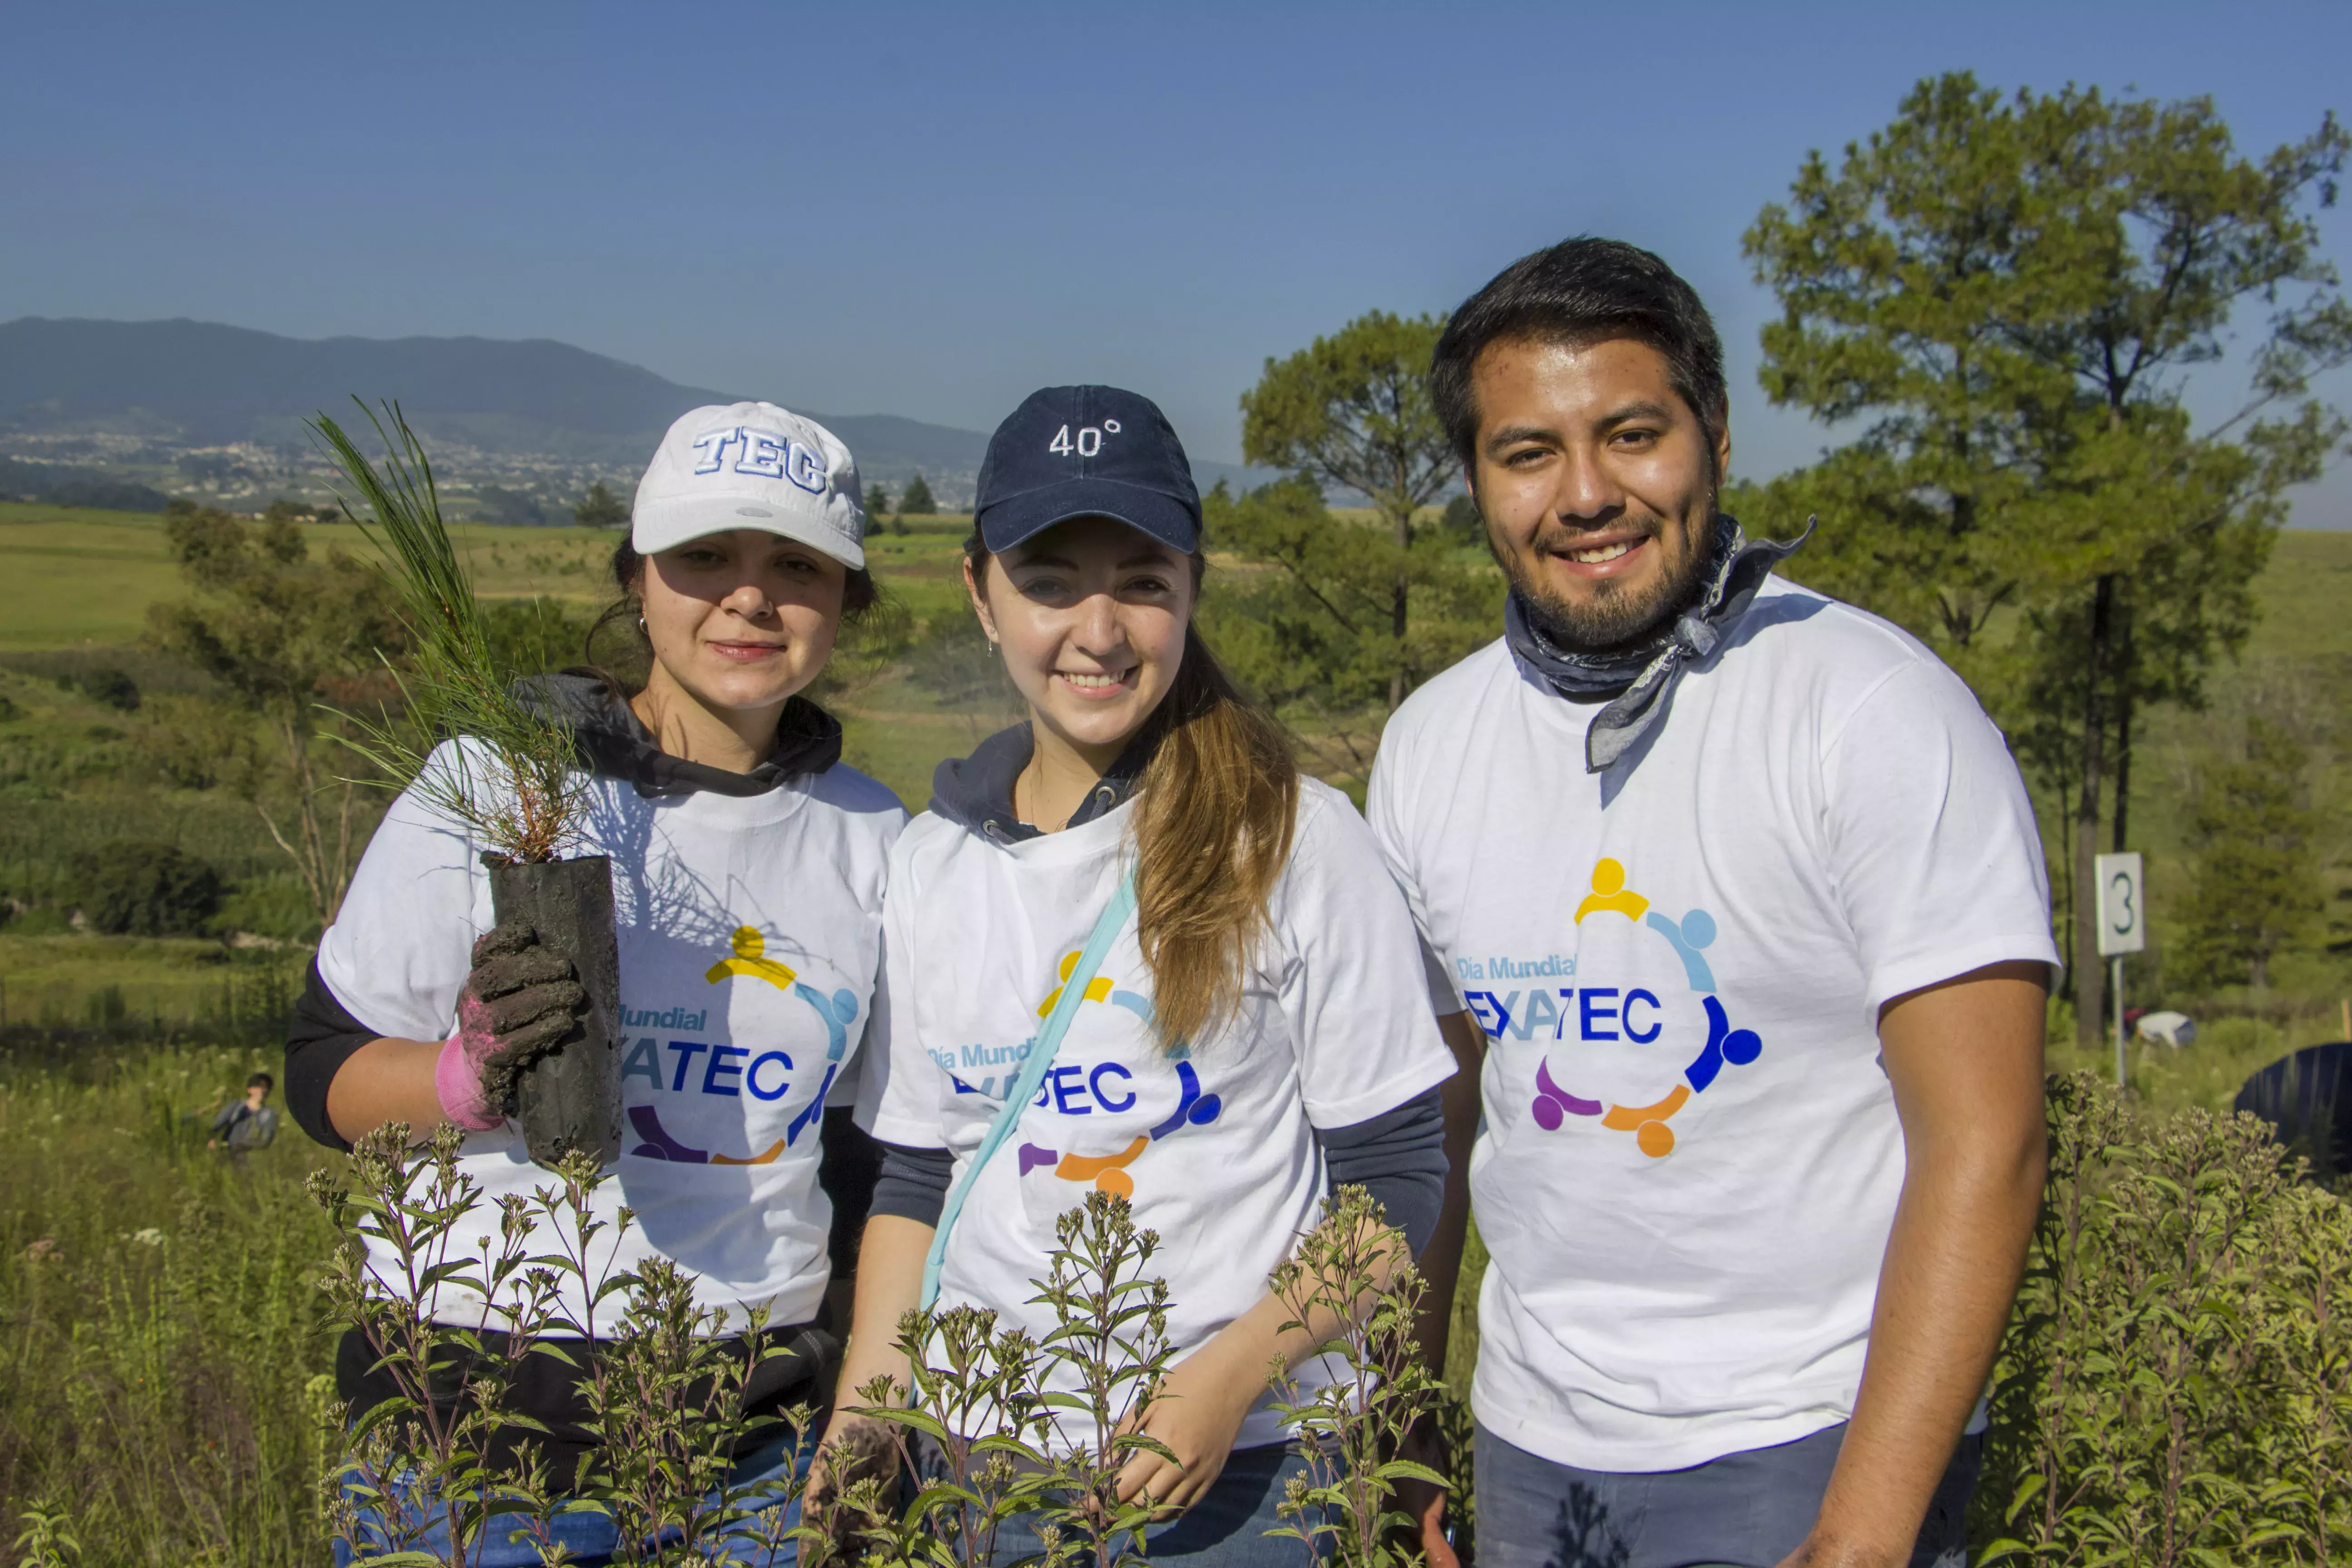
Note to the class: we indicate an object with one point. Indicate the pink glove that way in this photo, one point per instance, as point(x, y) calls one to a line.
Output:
point(519, 1003)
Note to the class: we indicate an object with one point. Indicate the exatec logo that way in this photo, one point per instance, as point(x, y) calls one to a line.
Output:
point(1607, 1014)
point(733, 1071)
point(1107, 1088)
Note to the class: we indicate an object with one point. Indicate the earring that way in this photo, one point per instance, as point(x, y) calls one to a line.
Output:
point(641, 623)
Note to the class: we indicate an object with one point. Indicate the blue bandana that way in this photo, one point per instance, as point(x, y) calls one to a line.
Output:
point(1640, 680)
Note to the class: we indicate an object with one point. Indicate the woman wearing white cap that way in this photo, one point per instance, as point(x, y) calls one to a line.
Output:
point(1196, 953)
point(747, 868)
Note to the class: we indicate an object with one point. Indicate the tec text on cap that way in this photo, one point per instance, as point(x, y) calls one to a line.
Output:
point(751, 464)
point(1086, 451)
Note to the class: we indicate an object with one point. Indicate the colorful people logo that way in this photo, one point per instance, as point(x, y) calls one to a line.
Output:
point(749, 960)
point(1108, 1172)
point(1688, 937)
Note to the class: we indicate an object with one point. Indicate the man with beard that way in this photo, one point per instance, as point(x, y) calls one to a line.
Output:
point(1736, 903)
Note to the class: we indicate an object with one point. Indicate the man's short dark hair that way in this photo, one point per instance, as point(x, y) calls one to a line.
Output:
point(1577, 292)
point(261, 1080)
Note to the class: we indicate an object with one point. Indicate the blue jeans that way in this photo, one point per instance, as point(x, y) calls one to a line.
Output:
point(1226, 1529)
point(1742, 1511)
point(593, 1537)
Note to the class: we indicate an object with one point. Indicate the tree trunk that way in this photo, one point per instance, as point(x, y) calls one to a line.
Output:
point(2090, 974)
point(1404, 542)
point(2125, 673)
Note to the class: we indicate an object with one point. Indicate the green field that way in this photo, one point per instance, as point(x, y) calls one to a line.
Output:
point(81, 579)
point(85, 581)
point(164, 1389)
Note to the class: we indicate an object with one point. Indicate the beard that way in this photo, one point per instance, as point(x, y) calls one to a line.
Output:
point(1617, 617)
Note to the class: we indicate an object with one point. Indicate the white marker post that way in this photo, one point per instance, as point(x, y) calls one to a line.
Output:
point(2122, 928)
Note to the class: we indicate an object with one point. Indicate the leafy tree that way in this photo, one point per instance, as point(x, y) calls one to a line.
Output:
point(199, 742)
point(953, 661)
point(512, 508)
point(2255, 887)
point(864, 651)
point(109, 684)
point(1463, 522)
point(1309, 623)
point(1352, 411)
point(531, 637)
point(145, 890)
point(918, 500)
point(280, 633)
point(2012, 298)
point(600, 508)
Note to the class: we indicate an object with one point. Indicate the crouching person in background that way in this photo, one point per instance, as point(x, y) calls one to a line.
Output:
point(248, 1123)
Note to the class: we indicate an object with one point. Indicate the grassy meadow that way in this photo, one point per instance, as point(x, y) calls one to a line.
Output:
point(163, 1394)
point(84, 579)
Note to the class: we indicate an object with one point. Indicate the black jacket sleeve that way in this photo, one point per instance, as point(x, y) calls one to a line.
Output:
point(319, 1039)
point(1399, 1157)
point(848, 1163)
point(914, 1183)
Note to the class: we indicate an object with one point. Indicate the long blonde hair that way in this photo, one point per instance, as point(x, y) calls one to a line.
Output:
point(1214, 815)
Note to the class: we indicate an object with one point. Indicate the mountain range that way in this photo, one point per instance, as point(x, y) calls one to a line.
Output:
point(184, 383)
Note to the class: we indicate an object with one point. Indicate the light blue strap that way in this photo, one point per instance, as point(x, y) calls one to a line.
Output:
point(1032, 1071)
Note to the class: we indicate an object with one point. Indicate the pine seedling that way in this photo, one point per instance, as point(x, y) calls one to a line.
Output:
point(513, 780)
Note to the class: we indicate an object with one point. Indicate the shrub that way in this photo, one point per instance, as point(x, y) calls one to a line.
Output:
point(2176, 1385)
point(109, 684)
point(128, 887)
point(199, 743)
point(275, 906)
point(670, 1399)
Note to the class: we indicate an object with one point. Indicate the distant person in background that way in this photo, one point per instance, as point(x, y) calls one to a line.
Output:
point(243, 1125)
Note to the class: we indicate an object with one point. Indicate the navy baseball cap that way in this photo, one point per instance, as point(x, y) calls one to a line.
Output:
point(1086, 451)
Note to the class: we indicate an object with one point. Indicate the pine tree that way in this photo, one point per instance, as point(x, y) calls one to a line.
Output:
point(2256, 890)
point(2007, 300)
point(1352, 411)
point(600, 508)
point(918, 500)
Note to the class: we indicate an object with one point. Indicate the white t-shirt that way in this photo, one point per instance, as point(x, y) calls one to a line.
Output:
point(1215, 1148)
point(749, 937)
point(1690, 1158)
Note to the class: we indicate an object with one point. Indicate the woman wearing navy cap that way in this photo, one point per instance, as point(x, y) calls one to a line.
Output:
point(1251, 1026)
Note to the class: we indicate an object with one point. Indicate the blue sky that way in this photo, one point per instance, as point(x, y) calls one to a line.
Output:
point(929, 211)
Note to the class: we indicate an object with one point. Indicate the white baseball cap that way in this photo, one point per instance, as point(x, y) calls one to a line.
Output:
point(751, 464)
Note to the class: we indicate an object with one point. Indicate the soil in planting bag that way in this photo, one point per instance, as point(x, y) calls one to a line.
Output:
point(571, 1097)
